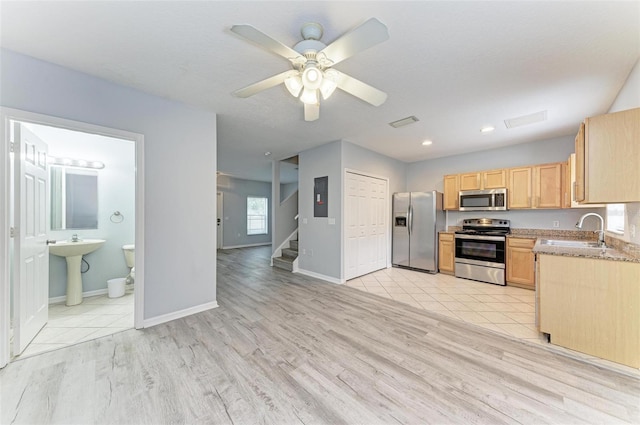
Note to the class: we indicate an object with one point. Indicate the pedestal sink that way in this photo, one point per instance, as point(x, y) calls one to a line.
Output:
point(73, 252)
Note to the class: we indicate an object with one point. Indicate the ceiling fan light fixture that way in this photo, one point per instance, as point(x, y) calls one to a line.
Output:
point(329, 83)
point(311, 77)
point(309, 96)
point(294, 85)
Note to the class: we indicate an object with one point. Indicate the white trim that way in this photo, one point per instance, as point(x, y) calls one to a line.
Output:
point(388, 213)
point(320, 276)
point(278, 250)
point(164, 318)
point(246, 246)
point(8, 114)
point(63, 298)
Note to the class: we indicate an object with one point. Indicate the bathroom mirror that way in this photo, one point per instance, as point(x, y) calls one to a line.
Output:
point(74, 198)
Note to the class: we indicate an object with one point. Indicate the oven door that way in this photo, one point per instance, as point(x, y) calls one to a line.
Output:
point(486, 251)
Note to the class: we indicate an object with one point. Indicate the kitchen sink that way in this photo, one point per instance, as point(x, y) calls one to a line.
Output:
point(570, 244)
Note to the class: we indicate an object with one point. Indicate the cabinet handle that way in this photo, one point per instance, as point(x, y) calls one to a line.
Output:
point(575, 191)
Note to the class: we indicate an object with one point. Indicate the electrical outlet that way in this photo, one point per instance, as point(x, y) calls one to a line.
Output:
point(304, 251)
point(556, 224)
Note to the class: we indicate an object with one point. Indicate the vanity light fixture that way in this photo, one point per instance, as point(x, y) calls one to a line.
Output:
point(487, 129)
point(80, 163)
point(427, 143)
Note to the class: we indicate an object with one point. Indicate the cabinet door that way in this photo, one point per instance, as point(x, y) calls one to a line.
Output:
point(494, 179)
point(548, 186)
point(451, 189)
point(566, 184)
point(578, 185)
point(520, 262)
point(520, 187)
point(446, 253)
point(612, 149)
point(470, 181)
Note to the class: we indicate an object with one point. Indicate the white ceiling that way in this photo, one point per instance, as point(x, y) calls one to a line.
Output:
point(457, 66)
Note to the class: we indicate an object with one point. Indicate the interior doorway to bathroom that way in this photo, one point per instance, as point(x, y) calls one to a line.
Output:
point(86, 198)
point(219, 221)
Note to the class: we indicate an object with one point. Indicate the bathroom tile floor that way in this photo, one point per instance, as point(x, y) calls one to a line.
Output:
point(96, 317)
point(503, 309)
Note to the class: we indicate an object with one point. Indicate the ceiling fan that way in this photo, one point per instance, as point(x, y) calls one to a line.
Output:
point(313, 75)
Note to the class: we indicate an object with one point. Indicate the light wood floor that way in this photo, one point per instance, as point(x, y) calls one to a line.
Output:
point(286, 349)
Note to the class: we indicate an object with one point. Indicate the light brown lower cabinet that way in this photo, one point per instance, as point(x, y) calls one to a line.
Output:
point(591, 305)
point(446, 253)
point(521, 262)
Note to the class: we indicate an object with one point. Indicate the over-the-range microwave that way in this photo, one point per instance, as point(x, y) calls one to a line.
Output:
point(483, 200)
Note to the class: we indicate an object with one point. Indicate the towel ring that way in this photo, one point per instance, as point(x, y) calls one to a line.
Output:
point(117, 217)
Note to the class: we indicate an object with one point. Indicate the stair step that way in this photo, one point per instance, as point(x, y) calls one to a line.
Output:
point(290, 253)
point(293, 245)
point(283, 263)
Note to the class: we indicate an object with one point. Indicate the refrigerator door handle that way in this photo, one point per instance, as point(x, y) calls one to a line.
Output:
point(409, 218)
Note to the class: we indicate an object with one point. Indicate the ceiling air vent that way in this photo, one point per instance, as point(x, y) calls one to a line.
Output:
point(403, 122)
point(526, 119)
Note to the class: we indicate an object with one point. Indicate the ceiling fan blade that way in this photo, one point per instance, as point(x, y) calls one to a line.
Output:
point(360, 90)
point(361, 38)
point(266, 42)
point(311, 112)
point(264, 84)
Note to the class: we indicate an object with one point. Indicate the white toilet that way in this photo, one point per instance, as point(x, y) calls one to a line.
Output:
point(129, 257)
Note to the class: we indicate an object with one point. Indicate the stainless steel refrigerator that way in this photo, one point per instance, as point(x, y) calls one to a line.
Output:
point(417, 219)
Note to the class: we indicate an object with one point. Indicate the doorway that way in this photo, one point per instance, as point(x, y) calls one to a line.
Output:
point(220, 221)
point(81, 158)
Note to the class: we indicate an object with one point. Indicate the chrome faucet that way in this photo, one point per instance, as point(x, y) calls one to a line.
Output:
point(599, 232)
point(74, 238)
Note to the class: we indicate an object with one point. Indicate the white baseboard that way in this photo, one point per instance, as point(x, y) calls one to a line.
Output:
point(179, 314)
point(246, 246)
point(63, 298)
point(320, 276)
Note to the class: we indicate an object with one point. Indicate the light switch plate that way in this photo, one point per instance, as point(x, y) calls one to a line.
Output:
point(304, 221)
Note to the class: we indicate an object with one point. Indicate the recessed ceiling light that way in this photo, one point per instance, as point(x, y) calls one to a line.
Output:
point(427, 143)
point(487, 129)
point(267, 153)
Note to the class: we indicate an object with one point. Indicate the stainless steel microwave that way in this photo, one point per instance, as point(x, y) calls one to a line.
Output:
point(483, 200)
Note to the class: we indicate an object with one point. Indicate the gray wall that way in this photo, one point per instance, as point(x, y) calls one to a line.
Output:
point(427, 175)
point(180, 161)
point(287, 189)
point(319, 242)
point(234, 210)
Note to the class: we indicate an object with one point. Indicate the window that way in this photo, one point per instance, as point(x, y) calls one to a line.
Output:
point(257, 215)
point(615, 218)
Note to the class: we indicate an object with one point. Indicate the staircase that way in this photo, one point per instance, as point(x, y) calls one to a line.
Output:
point(285, 262)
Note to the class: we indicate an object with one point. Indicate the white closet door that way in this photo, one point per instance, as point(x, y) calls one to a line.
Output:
point(366, 225)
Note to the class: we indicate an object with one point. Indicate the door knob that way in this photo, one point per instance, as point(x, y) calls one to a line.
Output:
point(50, 242)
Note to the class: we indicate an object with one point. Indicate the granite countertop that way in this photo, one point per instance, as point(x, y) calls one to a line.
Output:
point(608, 253)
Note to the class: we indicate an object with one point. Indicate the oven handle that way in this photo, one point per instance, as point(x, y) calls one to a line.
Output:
point(481, 238)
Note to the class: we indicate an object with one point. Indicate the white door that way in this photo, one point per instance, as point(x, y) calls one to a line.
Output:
point(219, 219)
point(31, 258)
point(365, 225)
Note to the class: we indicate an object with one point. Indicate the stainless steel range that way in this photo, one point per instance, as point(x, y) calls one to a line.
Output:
point(480, 250)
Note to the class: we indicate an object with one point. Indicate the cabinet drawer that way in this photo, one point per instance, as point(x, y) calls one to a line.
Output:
point(446, 236)
point(521, 242)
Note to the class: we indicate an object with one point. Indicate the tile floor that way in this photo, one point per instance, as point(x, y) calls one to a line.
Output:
point(96, 317)
point(503, 309)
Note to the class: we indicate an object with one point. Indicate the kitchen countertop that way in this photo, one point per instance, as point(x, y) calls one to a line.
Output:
point(611, 254)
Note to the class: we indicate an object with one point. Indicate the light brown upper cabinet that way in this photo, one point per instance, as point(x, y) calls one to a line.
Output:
point(538, 186)
point(493, 179)
point(451, 189)
point(520, 184)
point(570, 186)
point(548, 185)
point(607, 155)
